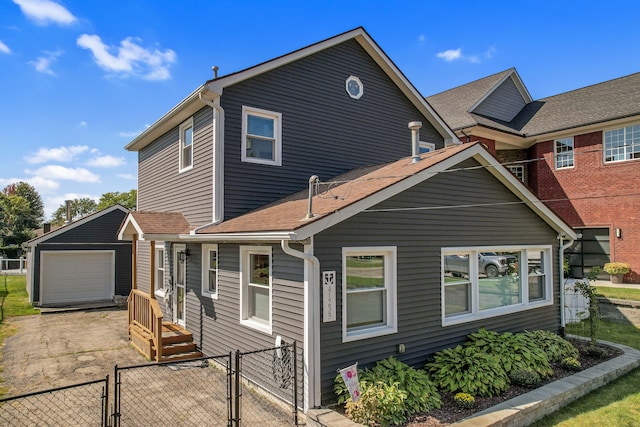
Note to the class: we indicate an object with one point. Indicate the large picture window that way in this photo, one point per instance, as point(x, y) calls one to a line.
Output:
point(256, 287)
point(490, 281)
point(368, 292)
point(564, 153)
point(210, 270)
point(261, 136)
point(186, 145)
point(622, 144)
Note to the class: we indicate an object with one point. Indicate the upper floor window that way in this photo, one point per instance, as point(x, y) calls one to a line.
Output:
point(622, 144)
point(186, 145)
point(564, 153)
point(483, 282)
point(426, 147)
point(368, 292)
point(517, 171)
point(255, 290)
point(261, 136)
point(210, 270)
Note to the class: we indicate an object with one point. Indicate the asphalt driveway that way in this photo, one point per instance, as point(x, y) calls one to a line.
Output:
point(59, 349)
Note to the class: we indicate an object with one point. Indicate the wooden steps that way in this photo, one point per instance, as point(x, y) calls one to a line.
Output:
point(177, 343)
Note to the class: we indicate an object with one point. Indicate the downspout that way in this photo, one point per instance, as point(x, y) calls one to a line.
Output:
point(311, 325)
point(561, 266)
point(218, 162)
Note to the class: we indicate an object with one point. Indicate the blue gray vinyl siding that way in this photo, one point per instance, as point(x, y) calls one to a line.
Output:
point(143, 266)
point(419, 236)
point(162, 188)
point(324, 131)
point(503, 104)
point(99, 234)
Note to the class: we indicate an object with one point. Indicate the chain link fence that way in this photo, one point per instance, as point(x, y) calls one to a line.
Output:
point(75, 405)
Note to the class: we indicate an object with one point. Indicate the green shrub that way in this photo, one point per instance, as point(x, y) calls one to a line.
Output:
point(514, 351)
point(524, 378)
point(464, 400)
point(571, 364)
point(555, 347)
point(380, 404)
point(597, 352)
point(465, 369)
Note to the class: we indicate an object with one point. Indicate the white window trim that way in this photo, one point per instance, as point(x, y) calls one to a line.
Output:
point(556, 154)
point(430, 145)
point(277, 134)
point(185, 125)
point(476, 313)
point(390, 259)
point(205, 271)
point(160, 290)
point(245, 252)
point(604, 144)
point(360, 87)
point(517, 171)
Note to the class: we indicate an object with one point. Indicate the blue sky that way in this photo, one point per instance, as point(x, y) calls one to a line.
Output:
point(79, 79)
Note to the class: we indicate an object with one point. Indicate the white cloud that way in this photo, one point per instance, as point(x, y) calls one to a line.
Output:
point(44, 12)
point(106, 162)
point(56, 172)
point(4, 48)
point(130, 58)
point(60, 154)
point(450, 55)
point(43, 63)
point(82, 124)
point(134, 133)
point(421, 38)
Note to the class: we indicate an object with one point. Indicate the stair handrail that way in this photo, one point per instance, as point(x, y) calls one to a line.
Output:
point(145, 313)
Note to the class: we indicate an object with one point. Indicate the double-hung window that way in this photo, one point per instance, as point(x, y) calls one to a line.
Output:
point(261, 136)
point(256, 287)
point(564, 153)
point(160, 272)
point(622, 144)
point(186, 145)
point(210, 270)
point(483, 282)
point(368, 292)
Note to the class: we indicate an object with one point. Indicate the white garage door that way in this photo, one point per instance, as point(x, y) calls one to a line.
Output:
point(76, 276)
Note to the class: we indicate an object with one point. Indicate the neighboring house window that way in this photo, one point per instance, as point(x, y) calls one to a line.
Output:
point(256, 287)
point(564, 153)
point(484, 282)
point(210, 270)
point(517, 171)
point(368, 292)
point(622, 144)
point(186, 145)
point(261, 136)
point(160, 272)
point(426, 147)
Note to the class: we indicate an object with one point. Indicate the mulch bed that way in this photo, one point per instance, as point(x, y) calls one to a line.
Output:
point(450, 413)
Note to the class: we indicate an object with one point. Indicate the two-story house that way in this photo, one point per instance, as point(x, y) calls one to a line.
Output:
point(316, 198)
point(578, 151)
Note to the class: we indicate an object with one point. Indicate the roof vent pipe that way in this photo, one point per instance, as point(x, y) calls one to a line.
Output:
point(215, 71)
point(313, 181)
point(68, 211)
point(415, 140)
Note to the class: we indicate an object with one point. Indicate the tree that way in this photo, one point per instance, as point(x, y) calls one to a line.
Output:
point(21, 211)
point(79, 208)
point(127, 200)
point(34, 215)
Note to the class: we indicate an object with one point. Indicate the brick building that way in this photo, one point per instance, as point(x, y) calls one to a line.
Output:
point(578, 151)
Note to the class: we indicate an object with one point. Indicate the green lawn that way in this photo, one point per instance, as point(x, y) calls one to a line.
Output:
point(619, 293)
point(14, 301)
point(615, 404)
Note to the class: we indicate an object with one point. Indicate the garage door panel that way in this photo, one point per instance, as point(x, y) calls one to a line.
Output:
point(76, 276)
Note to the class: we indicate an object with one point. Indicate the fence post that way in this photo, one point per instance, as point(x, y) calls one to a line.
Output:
point(116, 400)
point(105, 402)
point(238, 393)
point(295, 383)
point(230, 399)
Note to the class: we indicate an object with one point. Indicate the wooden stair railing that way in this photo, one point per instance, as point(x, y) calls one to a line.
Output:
point(145, 315)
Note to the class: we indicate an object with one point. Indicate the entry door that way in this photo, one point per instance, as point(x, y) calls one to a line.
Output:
point(180, 274)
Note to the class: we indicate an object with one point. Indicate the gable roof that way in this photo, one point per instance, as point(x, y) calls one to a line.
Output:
point(77, 223)
point(213, 89)
point(599, 103)
point(287, 218)
point(153, 225)
point(456, 105)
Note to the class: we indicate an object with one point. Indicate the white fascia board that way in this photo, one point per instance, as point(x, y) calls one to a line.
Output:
point(274, 236)
point(76, 223)
point(128, 228)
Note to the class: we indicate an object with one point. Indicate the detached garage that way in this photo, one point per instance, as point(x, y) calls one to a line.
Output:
point(80, 262)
